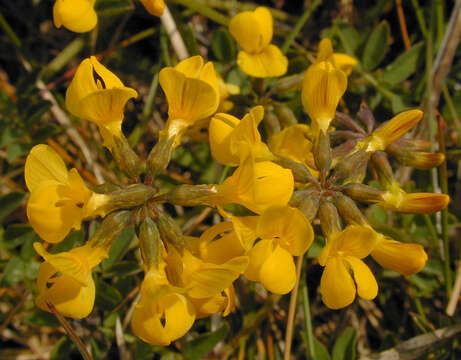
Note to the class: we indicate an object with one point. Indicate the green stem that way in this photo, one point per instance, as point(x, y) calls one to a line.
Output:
point(420, 17)
point(9, 31)
point(308, 322)
point(164, 47)
point(440, 22)
point(432, 231)
point(299, 24)
point(451, 108)
point(204, 10)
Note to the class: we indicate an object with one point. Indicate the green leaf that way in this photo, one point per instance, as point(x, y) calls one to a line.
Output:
point(122, 269)
point(321, 352)
point(113, 7)
point(63, 349)
point(223, 45)
point(14, 272)
point(107, 297)
point(10, 202)
point(201, 346)
point(376, 46)
point(350, 38)
point(71, 240)
point(344, 348)
point(118, 248)
point(41, 318)
point(405, 65)
point(15, 235)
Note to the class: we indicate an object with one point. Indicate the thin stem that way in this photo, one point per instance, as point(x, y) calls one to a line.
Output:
point(403, 24)
point(174, 35)
point(420, 17)
point(308, 323)
point(72, 334)
point(292, 310)
point(204, 10)
point(299, 24)
point(451, 108)
point(444, 187)
point(9, 31)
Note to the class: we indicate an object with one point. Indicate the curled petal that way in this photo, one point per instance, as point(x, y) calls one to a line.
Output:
point(421, 203)
point(162, 321)
point(70, 297)
point(345, 62)
point(293, 143)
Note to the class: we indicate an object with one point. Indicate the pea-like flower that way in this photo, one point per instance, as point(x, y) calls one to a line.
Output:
point(59, 199)
point(345, 274)
point(65, 279)
point(285, 232)
point(163, 313)
point(192, 92)
point(98, 95)
point(256, 185)
point(253, 30)
point(76, 15)
point(232, 139)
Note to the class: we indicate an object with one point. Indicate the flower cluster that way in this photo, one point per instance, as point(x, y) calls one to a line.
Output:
point(285, 183)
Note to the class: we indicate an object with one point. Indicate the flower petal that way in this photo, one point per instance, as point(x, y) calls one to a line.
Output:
point(271, 274)
point(336, 285)
point(253, 30)
point(76, 15)
point(270, 62)
point(367, 287)
point(288, 226)
point(43, 163)
point(406, 259)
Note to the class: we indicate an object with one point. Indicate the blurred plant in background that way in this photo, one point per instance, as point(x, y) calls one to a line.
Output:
point(189, 214)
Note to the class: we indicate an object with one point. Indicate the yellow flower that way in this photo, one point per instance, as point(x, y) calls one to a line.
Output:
point(253, 30)
point(341, 61)
point(345, 273)
point(192, 92)
point(59, 199)
point(96, 94)
point(76, 15)
point(232, 139)
point(163, 314)
point(406, 259)
point(293, 143)
point(396, 199)
point(257, 186)
point(285, 232)
point(391, 130)
point(154, 7)
point(225, 302)
point(65, 279)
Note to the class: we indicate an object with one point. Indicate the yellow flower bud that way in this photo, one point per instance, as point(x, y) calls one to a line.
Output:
point(406, 259)
point(76, 15)
point(96, 94)
point(391, 130)
point(59, 198)
point(154, 7)
point(253, 30)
